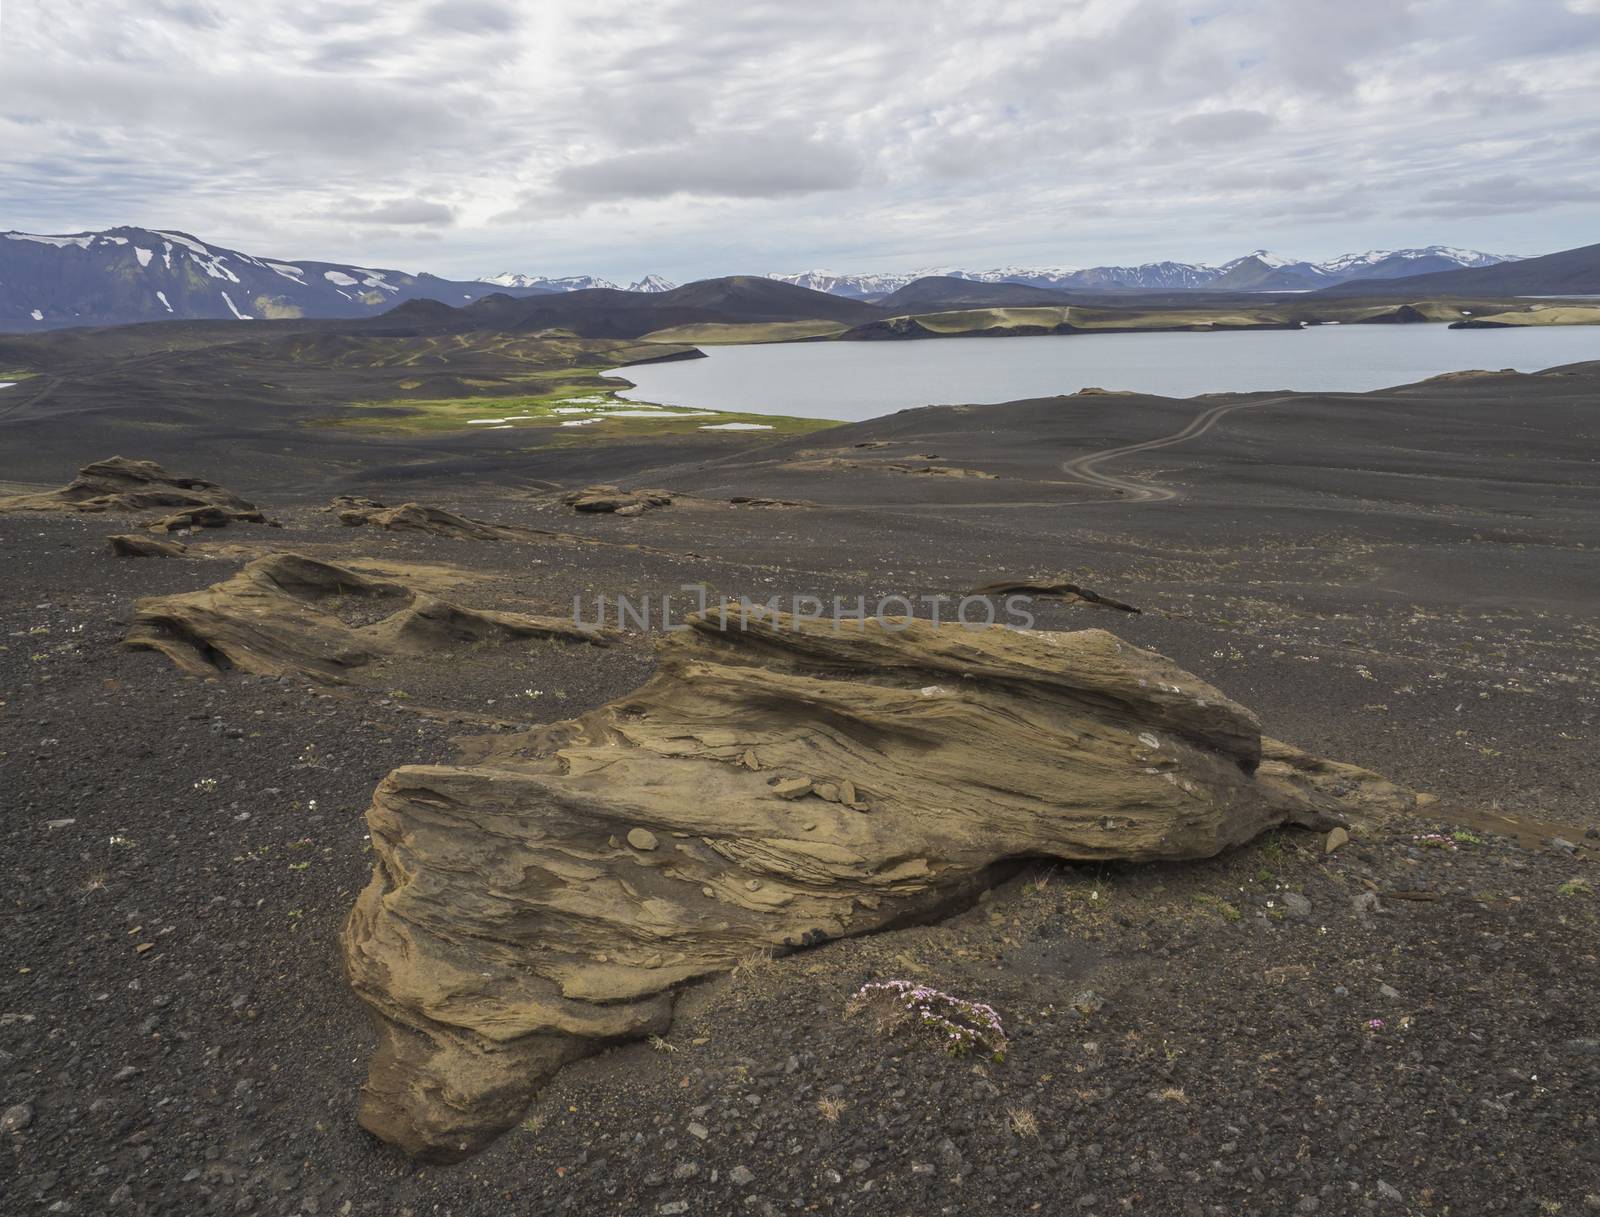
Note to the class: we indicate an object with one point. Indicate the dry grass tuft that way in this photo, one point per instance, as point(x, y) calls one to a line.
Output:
point(830, 1108)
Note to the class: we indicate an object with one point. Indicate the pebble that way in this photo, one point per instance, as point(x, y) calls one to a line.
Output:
point(1296, 905)
point(1334, 840)
point(1388, 1191)
point(742, 1176)
point(1366, 902)
point(642, 839)
point(699, 1131)
point(16, 1118)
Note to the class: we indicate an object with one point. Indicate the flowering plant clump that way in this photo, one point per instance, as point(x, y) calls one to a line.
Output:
point(958, 1026)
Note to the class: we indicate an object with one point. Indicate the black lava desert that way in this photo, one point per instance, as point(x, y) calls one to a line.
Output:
point(1077, 721)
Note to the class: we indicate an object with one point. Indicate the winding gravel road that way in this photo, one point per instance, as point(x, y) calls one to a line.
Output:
point(1086, 468)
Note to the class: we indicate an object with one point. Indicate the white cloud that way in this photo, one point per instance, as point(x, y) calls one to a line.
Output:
point(692, 139)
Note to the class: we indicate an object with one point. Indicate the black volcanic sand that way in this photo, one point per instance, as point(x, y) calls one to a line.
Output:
point(1407, 580)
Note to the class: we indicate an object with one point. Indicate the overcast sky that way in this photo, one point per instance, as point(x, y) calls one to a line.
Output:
point(693, 139)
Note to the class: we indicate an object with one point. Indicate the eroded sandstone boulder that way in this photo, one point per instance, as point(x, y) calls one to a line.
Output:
point(129, 546)
point(614, 500)
point(1058, 586)
point(120, 484)
point(421, 517)
point(287, 613)
point(778, 783)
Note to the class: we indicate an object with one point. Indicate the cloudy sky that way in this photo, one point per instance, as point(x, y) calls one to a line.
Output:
point(694, 139)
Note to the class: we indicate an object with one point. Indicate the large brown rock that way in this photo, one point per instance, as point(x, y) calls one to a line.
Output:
point(777, 783)
point(120, 484)
point(287, 613)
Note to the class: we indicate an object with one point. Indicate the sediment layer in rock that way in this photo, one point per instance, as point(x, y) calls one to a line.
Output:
point(778, 783)
point(287, 613)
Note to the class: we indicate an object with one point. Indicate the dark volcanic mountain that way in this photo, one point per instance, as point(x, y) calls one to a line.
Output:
point(139, 274)
point(947, 292)
point(610, 313)
point(1569, 272)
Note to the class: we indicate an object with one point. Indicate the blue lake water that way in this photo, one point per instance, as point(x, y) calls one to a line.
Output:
point(859, 380)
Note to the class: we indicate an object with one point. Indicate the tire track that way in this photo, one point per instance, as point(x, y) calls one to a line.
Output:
point(1087, 468)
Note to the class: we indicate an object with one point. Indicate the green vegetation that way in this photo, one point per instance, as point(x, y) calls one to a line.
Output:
point(549, 382)
point(713, 334)
point(14, 376)
point(1547, 314)
point(569, 411)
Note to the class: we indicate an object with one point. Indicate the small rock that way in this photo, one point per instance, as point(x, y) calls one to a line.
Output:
point(1335, 839)
point(742, 1176)
point(922, 1168)
point(121, 1196)
point(792, 788)
point(1388, 1191)
point(1296, 905)
point(126, 1072)
point(673, 1207)
point(642, 839)
point(1388, 991)
point(1366, 902)
point(16, 1118)
point(699, 1131)
point(1564, 845)
point(1088, 1002)
point(1584, 1047)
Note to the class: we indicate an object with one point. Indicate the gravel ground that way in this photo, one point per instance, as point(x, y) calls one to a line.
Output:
point(1406, 1025)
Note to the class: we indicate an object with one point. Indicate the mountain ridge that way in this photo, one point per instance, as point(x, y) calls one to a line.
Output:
point(127, 274)
point(1258, 270)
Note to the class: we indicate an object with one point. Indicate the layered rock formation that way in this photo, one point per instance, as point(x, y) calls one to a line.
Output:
point(778, 783)
point(1044, 585)
point(120, 484)
point(126, 545)
point(613, 500)
point(287, 613)
point(420, 517)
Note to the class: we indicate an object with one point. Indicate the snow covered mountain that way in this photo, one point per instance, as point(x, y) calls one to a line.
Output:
point(1259, 270)
point(576, 283)
point(124, 275)
point(652, 283)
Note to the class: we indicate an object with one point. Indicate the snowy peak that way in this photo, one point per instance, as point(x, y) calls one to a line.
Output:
point(652, 283)
point(121, 275)
point(575, 283)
